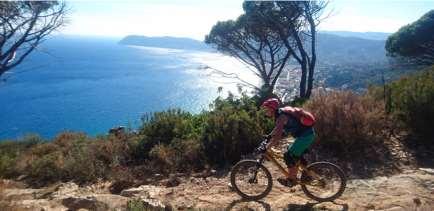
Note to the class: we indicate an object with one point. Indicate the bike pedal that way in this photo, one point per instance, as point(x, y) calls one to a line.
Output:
point(286, 182)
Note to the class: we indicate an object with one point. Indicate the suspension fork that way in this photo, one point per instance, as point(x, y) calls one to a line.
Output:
point(258, 164)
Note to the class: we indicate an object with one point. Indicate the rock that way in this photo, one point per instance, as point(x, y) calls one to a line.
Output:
point(370, 207)
point(148, 204)
point(118, 186)
point(395, 209)
point(4, 183)
point(113, 201)
point(231, 188)
point(117, 131)
point(38, 204)
point(64, 190)
point(90, 203)
point(47, 192)
point(171, 182)
point(21, 177)
point(149, 191)
point(323, 206)
point(132, 192)
point(417, 202)
point(427, 170)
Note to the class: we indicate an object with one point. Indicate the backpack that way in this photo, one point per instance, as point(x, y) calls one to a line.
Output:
point(305, 117)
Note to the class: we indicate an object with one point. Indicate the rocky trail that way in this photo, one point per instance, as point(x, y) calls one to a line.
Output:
point(408, 190)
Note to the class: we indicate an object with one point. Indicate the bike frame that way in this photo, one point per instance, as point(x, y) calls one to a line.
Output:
point(271, 156)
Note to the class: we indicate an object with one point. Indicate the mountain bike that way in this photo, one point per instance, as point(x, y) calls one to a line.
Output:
point(321, 181)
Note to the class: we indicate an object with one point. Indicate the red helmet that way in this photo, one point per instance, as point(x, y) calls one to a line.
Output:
point(272, 103)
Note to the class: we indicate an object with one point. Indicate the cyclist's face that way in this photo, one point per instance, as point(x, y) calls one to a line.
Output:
point(268, 111)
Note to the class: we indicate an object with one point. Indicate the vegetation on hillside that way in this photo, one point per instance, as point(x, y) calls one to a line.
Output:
point(350, 128)
point(414, 42)
point(410, 100)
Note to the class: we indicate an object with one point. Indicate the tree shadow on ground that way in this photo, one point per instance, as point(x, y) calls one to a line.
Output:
point(243, 204)
point(309, 206)
point(422, 153)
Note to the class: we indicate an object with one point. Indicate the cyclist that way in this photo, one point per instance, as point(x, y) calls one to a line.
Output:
point(293, 121)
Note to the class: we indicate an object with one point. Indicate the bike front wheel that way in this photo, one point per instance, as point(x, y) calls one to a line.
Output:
point(251, 180)
point(323, 181)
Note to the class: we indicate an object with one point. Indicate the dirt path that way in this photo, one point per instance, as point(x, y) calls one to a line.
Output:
point(409, 190)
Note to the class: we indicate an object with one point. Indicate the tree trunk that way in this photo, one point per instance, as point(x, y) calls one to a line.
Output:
point(312, 61)
point(309, 82)
point(303, 79)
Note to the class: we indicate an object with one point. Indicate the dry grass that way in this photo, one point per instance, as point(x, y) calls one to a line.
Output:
point(350, 128)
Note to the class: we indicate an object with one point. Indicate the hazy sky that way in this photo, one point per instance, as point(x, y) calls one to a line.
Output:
point(194, 18)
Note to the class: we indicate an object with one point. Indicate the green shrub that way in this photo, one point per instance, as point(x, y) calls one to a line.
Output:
point(81, 165)
point(233, 129)
point(164, 127)
point(179, 156)
point(7, 164)
point(46, 169)
point(411, 100)
point(11, 150)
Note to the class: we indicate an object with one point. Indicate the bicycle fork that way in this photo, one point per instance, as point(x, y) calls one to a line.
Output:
point(255, 173)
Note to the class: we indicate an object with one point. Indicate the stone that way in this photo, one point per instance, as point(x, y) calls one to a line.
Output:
point(149, 191)
point(132, 192)
point(427, 170)
point(171, 182)
point(231, 188)
point(417, 202)
point(90, 203)
point(113, 201)
point(21, 177)
point(118, 186)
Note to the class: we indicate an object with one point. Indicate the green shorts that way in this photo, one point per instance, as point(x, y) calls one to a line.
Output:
point(301, 144)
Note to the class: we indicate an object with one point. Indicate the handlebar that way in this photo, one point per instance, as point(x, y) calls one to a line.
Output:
point(263, 145)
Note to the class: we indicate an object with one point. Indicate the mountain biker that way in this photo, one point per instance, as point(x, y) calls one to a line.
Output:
point(294, 121)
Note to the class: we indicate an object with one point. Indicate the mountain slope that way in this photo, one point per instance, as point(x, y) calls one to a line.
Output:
point(343, 61)
point(364, 35)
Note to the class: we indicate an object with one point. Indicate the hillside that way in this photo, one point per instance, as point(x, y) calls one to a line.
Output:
point(351, 62)
point(334, 49)
point(364, 35)
point(345, 59)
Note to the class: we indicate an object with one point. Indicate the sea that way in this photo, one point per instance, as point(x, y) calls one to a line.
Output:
point(92, 84)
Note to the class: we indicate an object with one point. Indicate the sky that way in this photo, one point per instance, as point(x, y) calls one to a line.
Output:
point(195, 18)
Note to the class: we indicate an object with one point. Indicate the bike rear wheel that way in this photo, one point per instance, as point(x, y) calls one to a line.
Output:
point(251, 180)
point(323, 181)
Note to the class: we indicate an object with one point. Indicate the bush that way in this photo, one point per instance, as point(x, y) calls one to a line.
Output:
point(233, 129)
point(81, 163)
point(165, 127)
point(46, 169)
point(11, 150)
point(69, 156)
point(348, 124)
point(411, 101)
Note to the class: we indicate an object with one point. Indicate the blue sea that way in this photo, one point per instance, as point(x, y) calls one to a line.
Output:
point(92, 84)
